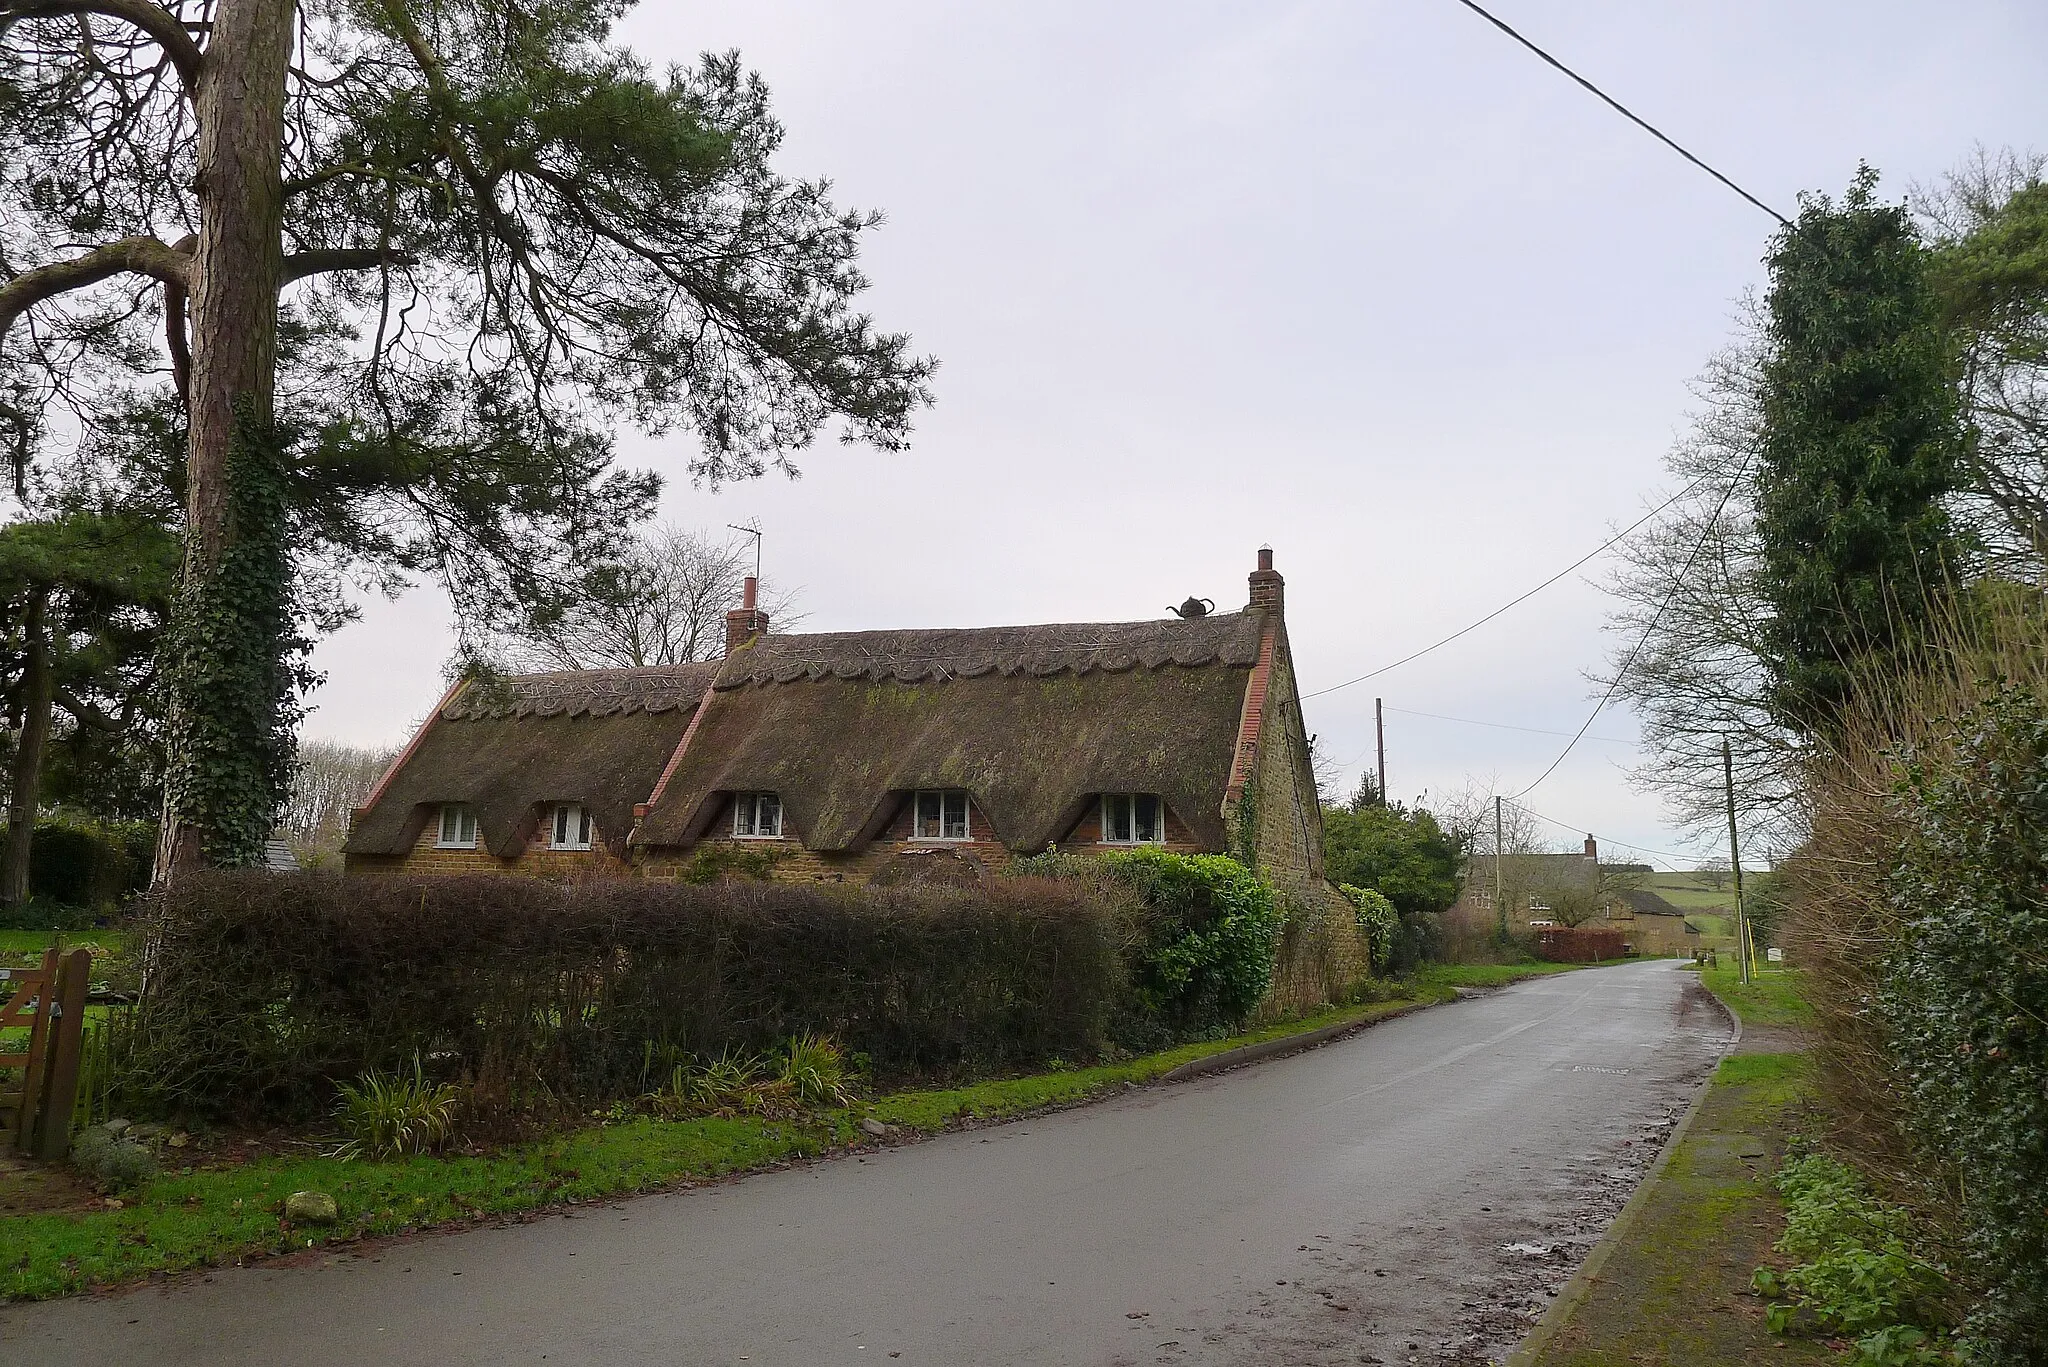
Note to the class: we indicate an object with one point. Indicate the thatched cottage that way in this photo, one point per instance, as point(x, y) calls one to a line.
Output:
point(845, 755)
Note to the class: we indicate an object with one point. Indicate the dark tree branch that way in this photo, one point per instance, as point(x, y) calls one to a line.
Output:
point(321, 260)
point(130, 255)
point(166, 29)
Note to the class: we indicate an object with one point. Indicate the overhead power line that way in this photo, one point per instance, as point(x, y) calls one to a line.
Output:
point(1604, 547)
point(1623, 844)
point(1500, 725)
point(1621, 109)
point(1712, 519)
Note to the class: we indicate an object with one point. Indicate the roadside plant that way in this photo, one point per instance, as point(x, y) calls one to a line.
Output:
point(1857, 1271)
point(388, 1115)
point(815, 1069)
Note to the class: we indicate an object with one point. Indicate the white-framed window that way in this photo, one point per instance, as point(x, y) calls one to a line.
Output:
point(757, 816)
point(1133, 819)
point(1537, 902)
point(939, 814)
point(569, 829)
point(458, 827)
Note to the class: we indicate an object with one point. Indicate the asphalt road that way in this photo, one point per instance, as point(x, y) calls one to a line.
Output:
point(1408, 1194)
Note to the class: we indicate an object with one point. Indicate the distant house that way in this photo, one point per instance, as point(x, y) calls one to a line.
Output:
point(857, 755)
point(1551, 889)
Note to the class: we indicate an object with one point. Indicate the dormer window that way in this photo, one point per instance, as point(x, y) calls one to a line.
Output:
point(458, 827)
point(1133, 819)
point(939, 814)
point(757, 816)
point(570, 829)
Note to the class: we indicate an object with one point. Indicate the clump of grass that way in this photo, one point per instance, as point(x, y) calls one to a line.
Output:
point(386, 1115)
point(814, 1066)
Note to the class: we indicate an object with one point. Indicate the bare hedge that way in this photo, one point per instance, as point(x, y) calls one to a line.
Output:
point(263, 989)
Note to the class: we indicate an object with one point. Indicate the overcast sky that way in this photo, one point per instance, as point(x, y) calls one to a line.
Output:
point(1365, 281)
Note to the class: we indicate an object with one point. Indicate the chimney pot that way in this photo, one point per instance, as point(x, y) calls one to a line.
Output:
point(1266, 583)
point(747, 591)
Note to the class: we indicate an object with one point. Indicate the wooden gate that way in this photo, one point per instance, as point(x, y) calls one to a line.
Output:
point(36, 1101)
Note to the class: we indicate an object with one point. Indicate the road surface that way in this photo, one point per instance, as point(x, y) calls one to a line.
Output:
point(1408, 1194)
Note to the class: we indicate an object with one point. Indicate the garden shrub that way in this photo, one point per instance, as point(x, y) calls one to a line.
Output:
point(1963, 1000)
point(1205, 936)
point(75, 861)
point(266, 988)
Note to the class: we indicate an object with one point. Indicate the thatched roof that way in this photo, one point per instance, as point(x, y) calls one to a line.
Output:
point(1031, 720)
point(599, 737)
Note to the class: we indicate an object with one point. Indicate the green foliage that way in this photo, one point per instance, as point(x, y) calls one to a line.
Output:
point(1963, 998)
point(814, 1067)
point(233, 664)
point(1860, 449)
point(81, 862)
point(388, 1115)
point(1855, 1270)
point(714, 862)
point(1218, 965)
point(1377, 921)
point(1404, 855)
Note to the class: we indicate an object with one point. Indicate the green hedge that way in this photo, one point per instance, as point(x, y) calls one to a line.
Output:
point(1963, 999)
point(267, 989)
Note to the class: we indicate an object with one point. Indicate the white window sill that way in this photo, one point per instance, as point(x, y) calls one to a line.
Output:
point(570, 849)
point(442, 845)
point(757, 837)
point(941, 840)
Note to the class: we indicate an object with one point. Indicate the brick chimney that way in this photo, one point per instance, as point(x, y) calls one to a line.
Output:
point(746, 621)
point(1592, 848)
point(1266, 583)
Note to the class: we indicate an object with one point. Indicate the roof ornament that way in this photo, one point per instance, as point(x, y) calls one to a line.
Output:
point(1194, 608)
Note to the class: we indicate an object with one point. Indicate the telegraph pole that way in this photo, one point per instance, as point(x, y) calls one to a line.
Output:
point(1735, 861)
point(1500, 908)
point(1379, 727)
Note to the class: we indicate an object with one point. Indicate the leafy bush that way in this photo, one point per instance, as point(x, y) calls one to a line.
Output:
point(1377, 921)
point(1856, 1273)
point(387, 1115)
point(1963, 998)
point(1221, 929)
point(75, 861)
point(539, 994)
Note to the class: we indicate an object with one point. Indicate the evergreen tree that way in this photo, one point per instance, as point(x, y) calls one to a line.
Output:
point(1860, 449)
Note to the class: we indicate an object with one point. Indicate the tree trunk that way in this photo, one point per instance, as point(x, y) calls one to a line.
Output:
point(37, 685)
point(238, 270)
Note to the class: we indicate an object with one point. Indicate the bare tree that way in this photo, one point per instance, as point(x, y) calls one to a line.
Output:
point(330, 782)
point(1713, 872)
point(662, 601)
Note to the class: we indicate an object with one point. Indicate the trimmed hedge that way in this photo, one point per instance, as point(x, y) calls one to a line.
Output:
point(1963, 999)
point(266, 989)
point(1579, 944)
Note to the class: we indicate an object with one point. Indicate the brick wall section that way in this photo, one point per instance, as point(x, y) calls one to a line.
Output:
point(536, 859)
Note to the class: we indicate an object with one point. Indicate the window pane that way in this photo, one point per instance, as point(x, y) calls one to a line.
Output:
point(928, 809)
point(1116, 819)
point(956, 816)
point(447, 825)
point(743, 814)
point(770, 814)
point(466, 822)
point(583, 827)
point(1146, 819)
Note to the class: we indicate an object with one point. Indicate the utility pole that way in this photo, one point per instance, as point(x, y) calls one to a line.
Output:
point(1379, 727)
point(1500, 907)
point(1735, 861)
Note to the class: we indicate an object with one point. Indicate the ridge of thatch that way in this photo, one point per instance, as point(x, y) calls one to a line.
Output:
point(509, 747)
point(584, 692)
point(942, 653)
point(1032, 721)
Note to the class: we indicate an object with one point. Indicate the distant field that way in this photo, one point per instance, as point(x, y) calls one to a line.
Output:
point(1688, 893)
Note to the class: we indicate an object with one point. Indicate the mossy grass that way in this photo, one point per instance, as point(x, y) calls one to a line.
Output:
point(1773, 997)
point(230, 1214)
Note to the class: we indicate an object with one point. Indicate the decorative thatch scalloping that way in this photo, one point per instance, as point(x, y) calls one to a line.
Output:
point(539, 742)
point(967, 653)
point(1031, 720)
point(585, 692)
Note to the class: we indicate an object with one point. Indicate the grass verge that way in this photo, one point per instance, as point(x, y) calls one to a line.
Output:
point(1676, 1286)
point(232, 1214)
point(1772, 999)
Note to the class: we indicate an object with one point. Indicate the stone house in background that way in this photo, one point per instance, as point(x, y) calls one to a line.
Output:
point(851, 756)
point(1549, 889)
